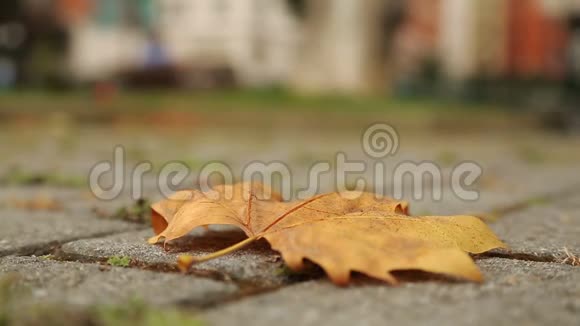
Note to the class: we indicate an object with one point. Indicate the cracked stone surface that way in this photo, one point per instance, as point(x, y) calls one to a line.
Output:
point(515, 293)
point(84, 284)
point(255, 263)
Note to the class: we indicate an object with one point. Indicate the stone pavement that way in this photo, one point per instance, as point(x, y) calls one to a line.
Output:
point(515, 293)
point(78, 283)
point(533, 284)
point(63, 255)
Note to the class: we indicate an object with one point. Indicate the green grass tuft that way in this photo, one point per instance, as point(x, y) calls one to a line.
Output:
point(119, 261)
point(17, 177)
point(139, 212)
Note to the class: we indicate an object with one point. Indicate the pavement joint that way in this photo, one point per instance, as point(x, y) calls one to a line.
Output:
point(53, 246)
point(246, 288)
point(561, 258)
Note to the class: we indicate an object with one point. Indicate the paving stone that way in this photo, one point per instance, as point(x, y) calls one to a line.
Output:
point(72, 200)
point(505, 186)
point(256, 263)
point(24, 232)
point(34, 231)
point(515, 293)
point(544, 230)
point(27, 231)
point(87, 284)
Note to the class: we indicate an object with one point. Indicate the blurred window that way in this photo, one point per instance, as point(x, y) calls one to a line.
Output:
point(221, 7)
point(298, 7)
point(139, 13)
point(108, 12)
point(145, 12)
point(7, 72)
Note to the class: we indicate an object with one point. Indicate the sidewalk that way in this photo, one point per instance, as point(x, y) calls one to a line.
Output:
point(534, 202)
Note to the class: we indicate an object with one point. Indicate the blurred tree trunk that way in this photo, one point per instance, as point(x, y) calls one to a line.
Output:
point(347, 45)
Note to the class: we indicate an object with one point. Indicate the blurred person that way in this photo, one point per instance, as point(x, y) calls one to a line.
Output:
point(155, 52)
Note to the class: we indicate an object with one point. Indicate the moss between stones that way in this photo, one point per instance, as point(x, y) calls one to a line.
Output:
point(119, 261)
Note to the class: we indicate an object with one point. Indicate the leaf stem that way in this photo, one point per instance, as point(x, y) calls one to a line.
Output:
point(225, 251)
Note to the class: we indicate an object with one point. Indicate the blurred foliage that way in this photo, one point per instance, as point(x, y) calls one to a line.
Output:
point(18, 177)
point(531, 155)
point(139, 212)
point(254, 99)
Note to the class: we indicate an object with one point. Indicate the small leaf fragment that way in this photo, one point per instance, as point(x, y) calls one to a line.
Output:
point(184, 262)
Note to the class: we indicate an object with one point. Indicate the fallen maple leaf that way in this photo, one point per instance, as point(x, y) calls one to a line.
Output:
point(338, 231)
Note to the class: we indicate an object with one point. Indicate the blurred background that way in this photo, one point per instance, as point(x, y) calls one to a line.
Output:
point(484, 50)
point(490, 82)
point(290, 80)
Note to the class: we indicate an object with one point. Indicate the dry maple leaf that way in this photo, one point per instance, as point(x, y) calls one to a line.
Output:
point(341, 232)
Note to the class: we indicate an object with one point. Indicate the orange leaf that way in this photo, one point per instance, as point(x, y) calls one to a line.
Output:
point(341, 232)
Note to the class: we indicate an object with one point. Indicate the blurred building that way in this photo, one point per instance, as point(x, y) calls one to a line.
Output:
point(568, 11)
point(32, 44)
point(472, 38)
point(348, 46)
point(505, 38)
point(11, 43)
point(256, 39)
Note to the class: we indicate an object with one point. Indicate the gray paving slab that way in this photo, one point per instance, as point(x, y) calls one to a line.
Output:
point(25, 232)
point(515, 293)
point(549, 230)
point(501, 187)
point(89, 284)
point(26, 229)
